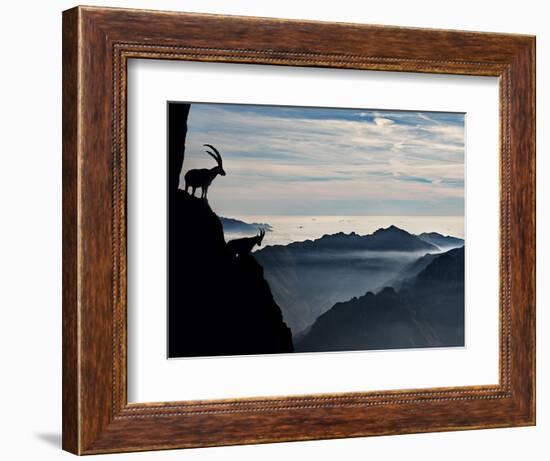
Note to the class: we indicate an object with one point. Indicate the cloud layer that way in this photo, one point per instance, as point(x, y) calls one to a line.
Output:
point(317, 161)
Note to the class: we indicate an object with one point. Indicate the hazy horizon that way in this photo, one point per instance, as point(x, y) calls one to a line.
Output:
point(292, 228)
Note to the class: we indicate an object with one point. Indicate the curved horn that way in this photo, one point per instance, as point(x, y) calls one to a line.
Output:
point(217, 156)
point(262, 232)
point(214, 157)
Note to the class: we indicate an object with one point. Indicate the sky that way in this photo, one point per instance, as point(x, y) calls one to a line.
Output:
point(329, 162)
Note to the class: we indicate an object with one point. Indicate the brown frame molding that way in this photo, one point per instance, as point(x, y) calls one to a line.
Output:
point(97, 43)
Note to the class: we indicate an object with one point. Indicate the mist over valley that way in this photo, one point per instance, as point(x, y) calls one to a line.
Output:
point(309, 277)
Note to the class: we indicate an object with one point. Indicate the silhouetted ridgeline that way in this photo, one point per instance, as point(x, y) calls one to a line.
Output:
point(391, 238)
point(442, 241)
point(428, 311)
point(218, 304)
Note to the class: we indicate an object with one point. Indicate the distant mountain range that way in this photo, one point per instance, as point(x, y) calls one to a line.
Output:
point(307, 278)
point(442, 241)
point(235, 226)
point(389, 239)
point(428, 311)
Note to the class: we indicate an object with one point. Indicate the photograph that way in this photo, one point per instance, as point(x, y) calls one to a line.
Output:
point(314, 229)
point(275, 225)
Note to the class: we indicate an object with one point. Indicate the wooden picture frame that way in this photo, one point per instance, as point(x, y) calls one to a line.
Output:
point(97, 43)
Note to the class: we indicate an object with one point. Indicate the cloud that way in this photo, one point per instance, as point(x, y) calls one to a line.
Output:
point(281, 156)
point(381, 121)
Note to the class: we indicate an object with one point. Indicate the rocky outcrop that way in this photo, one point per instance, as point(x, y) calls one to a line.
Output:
point(217, 304)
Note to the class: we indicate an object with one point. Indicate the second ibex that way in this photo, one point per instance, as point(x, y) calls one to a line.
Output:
point(243, 246)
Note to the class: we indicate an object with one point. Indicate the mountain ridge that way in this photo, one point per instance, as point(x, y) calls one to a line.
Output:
point(391, 238)
point(428, 311)
point(440, 240)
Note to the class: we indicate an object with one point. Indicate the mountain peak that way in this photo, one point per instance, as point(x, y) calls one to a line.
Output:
point(432, 234)
point(397, 239)
point(392, 229)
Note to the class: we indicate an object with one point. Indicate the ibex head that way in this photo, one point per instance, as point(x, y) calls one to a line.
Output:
point(216, 155)
point(260, 236)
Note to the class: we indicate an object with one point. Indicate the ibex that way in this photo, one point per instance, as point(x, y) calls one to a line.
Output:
point(203, 177)
point(243, 246)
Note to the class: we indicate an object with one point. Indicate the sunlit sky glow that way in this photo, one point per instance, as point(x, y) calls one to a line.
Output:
point(319, 161)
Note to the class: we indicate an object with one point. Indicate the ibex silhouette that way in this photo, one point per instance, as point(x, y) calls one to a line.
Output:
point(203, 177)
point(243, 246)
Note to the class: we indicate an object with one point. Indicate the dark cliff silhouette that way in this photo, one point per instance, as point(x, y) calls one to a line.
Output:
point(218, 304)
point(428, 311)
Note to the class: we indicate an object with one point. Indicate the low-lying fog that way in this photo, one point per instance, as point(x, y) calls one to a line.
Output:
point(305, 285)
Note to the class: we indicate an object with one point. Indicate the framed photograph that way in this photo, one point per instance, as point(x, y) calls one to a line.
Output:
point(280, 230)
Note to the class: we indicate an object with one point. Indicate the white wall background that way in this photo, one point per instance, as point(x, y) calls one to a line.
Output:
point(30, 229)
